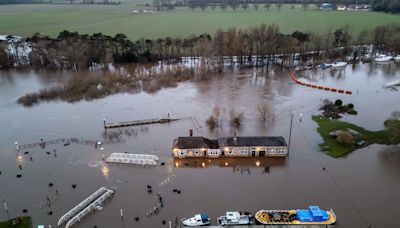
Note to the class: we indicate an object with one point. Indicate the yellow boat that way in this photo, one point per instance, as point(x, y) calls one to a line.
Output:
point(311, 216)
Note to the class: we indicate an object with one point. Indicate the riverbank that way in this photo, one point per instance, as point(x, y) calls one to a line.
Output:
point(21, 222)
point(334, 148)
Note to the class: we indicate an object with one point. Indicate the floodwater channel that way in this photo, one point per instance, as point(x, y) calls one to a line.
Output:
point(362, 187)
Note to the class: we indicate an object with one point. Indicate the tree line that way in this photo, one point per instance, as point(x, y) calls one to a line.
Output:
point(255, 46)
point(388, 6)
point(245, 4)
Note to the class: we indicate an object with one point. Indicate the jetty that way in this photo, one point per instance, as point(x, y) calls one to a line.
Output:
point(92, 202)
point(137, 122)
point(68, 141)
point(134, 159)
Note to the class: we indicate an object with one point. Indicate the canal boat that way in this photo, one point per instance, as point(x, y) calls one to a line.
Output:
point(235, 218)
point(311, 216)
point(197, 220)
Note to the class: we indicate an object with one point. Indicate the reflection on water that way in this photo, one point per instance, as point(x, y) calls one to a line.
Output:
point(369, 177)
point(261, 162)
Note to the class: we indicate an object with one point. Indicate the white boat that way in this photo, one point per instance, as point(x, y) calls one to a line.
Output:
point(338, 64)
point(197, 220)
point(394, 83)
point(235, 218)
point(383, 58)
point(397, 58)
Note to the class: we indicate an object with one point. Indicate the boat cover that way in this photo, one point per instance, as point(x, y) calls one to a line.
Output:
point(204, 217)
point(313, 214)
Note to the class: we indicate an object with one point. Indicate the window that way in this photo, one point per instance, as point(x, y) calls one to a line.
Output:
point(230, 151)
point(245, 152)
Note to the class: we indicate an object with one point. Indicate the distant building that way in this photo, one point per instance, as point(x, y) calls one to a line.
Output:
point(186, 147)
point(326, 6)
point(341, 7)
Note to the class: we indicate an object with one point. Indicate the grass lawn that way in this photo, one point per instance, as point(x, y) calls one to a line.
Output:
point(336, 149)
point(50, 19)
point(26, 222)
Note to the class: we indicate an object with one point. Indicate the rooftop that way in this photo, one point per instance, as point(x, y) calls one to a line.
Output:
point(252, 141)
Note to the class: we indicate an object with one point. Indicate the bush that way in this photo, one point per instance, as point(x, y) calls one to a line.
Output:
point(338, 102)
point(350, 106)
point(345, 137)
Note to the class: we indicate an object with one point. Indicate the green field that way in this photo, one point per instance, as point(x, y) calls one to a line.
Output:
point(50, 19)
point(26, 222)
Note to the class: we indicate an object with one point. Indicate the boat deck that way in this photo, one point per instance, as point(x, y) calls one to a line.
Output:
point(276, 226)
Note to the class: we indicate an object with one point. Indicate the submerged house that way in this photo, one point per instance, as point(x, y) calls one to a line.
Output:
point(187, 147)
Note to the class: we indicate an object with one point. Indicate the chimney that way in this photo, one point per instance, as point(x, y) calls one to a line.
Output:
point(190, 132)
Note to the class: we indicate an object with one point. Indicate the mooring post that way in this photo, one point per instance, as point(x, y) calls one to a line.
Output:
point(169, 224)
point(290, 134)
point(6, 209)
point(122, 214)
point(104, 122)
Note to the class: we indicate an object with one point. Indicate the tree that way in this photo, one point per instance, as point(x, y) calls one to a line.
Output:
point(265, 110)
point(233, 4)
point(338, 102)
point(223, 5)
point(255, 5)
point(279, 5)
point(345, 137)
point(267, 6)
point(245, 6)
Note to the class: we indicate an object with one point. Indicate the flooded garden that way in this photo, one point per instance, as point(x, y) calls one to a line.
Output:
point(361, 187)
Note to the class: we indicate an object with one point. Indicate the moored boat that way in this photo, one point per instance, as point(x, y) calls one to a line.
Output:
point(338, 64)
point(311, 216)
point(235, 218)
point(383, 58)
point(197, 220)
point(397, 58)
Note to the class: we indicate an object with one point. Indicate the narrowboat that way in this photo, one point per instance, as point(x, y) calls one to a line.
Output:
point(311, 216)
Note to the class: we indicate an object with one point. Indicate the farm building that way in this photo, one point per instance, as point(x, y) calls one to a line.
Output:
point(186, 147)
point(326, 6)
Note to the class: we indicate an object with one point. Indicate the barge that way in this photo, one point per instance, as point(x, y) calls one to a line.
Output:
point(311, 216)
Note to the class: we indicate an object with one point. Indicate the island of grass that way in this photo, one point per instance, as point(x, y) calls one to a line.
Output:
point(20, 222)
point(388, 136)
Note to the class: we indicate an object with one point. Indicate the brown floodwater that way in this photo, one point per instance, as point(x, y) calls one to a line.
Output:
point(362, 187)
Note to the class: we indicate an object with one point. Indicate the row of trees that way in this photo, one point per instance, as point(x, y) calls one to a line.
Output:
point(392, 6)
point(254, 46)
point(245, 4)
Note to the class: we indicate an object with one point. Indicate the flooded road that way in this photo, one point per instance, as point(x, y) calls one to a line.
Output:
point(362, 187)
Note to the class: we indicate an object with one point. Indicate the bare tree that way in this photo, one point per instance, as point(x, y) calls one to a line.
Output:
point(265, 110)
point(236, 118)
point(215, 119)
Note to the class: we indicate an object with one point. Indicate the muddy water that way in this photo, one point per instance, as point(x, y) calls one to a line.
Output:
point(361, 187)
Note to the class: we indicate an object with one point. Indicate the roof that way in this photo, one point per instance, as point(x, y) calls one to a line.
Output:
point(252, 141)
point(194, 142)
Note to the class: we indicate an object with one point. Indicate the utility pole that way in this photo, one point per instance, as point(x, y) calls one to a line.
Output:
point(290, 134)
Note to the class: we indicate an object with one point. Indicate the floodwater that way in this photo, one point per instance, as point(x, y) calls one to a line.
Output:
point(362, 187)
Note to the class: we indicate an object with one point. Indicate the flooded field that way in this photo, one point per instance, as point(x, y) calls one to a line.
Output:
point(362, 187)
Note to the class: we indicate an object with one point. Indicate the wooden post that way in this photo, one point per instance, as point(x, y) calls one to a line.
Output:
point(104, 122)
point(6, 209)
point(122, 214)
point(290, 134)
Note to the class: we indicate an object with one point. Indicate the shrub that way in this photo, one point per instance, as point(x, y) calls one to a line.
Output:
point(345, 137)
point(338, 102)
point(350, 106)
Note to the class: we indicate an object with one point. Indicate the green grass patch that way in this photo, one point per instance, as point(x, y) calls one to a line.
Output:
point(50, 19)
point(24, 222)
point(389, 135)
